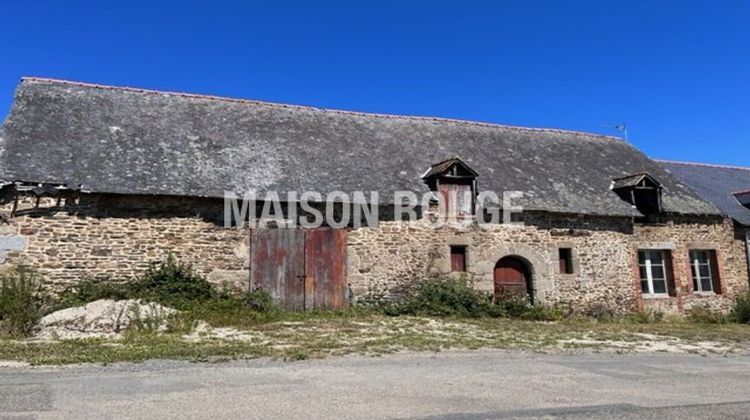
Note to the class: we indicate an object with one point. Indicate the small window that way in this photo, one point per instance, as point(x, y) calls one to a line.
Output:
point(458, 258)
point(566, 260)
point(455, 182)
point(703, 269)
point(656, 273)
point(642, 191)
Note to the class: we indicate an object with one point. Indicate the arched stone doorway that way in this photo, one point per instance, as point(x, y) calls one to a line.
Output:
point(513, 275)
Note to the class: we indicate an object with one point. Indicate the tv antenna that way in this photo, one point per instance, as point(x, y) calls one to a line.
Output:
point(621, 128)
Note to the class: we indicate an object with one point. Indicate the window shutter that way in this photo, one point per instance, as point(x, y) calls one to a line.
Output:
point(565, 256)
point(671, 287)
point(714, 261)
point(563, 265)
point(458, 258)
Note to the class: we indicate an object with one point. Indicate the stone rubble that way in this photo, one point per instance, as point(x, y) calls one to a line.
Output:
point(105, 318)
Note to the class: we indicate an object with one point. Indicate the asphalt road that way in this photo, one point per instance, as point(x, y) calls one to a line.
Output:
point(463, 385)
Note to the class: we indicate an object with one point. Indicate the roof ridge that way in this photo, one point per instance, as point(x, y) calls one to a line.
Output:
point(710, 165)
point(313, 108)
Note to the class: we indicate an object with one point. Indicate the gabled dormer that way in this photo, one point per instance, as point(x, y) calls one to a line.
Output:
point(743, 197)
point(456, 184)
point(641, 190)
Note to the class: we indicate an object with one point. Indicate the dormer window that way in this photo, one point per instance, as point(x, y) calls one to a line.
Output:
point(743, 197)
point(455, 182)
point(640, 190)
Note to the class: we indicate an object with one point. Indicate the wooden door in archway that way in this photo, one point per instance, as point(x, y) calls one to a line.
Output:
point(512, 276)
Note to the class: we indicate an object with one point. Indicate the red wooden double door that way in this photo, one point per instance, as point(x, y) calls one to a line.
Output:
point(302, 269)
point(513, 277)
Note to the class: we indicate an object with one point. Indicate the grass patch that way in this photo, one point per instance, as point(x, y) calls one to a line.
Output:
point(440, 313)
point(307, 336)
point(135, 349)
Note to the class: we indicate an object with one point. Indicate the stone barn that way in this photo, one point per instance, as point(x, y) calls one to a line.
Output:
point(100, 181)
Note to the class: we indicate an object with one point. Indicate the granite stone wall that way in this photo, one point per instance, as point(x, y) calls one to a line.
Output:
point(386, 261)
point(679, 237)
point(117, 237)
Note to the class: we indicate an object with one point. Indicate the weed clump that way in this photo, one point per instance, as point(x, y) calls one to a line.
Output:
point(445, 297)
point(456, 297)
point(701, 315)
point(177, 285)
point(89, 290)
point(741, 310)
point(22, 302)
point(172, 283)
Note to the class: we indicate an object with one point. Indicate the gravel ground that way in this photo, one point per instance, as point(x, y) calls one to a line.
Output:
point(457, 384)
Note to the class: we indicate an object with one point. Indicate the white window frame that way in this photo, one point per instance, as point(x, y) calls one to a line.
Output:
point(648, 264)
point(695, 264)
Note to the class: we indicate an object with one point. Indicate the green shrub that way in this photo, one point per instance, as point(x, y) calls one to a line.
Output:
point(511, 305)
point(645, 317)
point(741, 311)
point(172, 283)
point(702, 315)
point(514, 306)
point(21, 303)
point(259, 301)
point(242, 310)
point(92, 289)
point(440, 296)
point(389, 307)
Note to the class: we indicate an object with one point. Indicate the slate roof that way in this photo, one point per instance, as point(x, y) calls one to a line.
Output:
point(628, 181)
point(743, 197)
point(134, 141)
point(442, 167)
point(716, 184)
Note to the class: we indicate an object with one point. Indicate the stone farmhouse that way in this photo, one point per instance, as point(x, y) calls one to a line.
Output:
point(724, 186)
point(100, 181)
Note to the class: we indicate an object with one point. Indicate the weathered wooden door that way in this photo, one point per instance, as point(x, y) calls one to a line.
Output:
point(302, 269)
point(278, 265)
point(457, 199)
point(512, 276)
point(325, 268)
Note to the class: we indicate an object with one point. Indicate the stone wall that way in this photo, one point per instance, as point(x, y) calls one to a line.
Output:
point(679, 237)
point(384, 262)
point(117, 237)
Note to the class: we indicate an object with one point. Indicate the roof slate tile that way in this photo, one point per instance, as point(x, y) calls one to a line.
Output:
point(135, 141)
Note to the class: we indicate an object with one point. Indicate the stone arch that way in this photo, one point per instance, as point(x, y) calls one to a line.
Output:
point(513, 275)
point(538, 266)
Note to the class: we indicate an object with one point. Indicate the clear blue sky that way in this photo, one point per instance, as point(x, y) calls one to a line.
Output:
point(677, 72)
